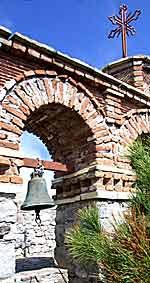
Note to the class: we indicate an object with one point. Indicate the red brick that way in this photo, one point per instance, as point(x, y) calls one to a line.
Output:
point(14, 111)
point(113, 103)
point(46, 58)
point(29, 73)
point(9, 145)
point(33, 53)
point(4, 162)
point(108, 175)
point(16, 179)
point(40, 72)
point(47, 89)
point(72, 81)
point(51, 73)
point(62, 77)
point(18, 122)
point(54, 84)
point(18, 48)
point(24, 109)
point(60, 94)
point(137, 68)
point(84, 105)
point(4, 179)
point(138, 83)
point(113, 115)
point(10, 128)
point(12, 99)
point(99, 128)
point(25, 99)
point(113, 98)
point(101, 134)
point(103, 161)
point(19, 78)
point(73, 98)
point(138, 73)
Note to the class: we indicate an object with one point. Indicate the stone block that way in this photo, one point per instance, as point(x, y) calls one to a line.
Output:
point(8, 211)
point(7, 259)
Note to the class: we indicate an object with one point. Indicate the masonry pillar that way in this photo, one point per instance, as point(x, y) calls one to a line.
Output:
point(81, 189)
point(10, 184)
point(8, 213)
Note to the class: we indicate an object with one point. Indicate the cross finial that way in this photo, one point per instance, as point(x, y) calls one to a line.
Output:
point(123, 25)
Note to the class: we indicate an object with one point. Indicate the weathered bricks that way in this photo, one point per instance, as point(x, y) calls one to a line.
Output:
point(7, 144)
point(80, 124)
point(4, 179)
point(47, 88)
point(10, 128)
point(18, 122)
point(16, 179)
point(14, 111)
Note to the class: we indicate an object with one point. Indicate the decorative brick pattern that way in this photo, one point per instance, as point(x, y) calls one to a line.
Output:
point(86, 135)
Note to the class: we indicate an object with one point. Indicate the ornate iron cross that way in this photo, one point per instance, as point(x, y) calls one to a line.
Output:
point(123, 26)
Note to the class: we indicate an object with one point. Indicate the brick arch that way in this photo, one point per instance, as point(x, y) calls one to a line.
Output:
point(29, 97)
point(136, 122)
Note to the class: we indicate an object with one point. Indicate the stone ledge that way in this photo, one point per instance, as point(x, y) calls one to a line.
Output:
point(97, 195)
point(10, 188)
point(48, 274)
point(94, 171)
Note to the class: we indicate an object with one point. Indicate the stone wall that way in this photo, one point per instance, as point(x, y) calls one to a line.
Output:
point(33, 240)
point(35, 246)
point(8, 212)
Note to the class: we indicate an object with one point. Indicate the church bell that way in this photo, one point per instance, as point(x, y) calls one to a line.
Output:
point(37, 197)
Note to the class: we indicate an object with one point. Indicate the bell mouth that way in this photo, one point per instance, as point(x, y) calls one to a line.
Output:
point(37, 207)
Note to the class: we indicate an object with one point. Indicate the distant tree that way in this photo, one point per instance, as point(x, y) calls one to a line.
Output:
point(124, 256)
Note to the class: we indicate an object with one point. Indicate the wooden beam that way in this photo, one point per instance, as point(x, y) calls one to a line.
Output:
point(48, 165)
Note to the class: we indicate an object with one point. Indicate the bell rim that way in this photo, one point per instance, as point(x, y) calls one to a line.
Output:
point(35, 206)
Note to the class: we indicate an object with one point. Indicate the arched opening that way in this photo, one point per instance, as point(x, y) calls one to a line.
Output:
point(64, 133)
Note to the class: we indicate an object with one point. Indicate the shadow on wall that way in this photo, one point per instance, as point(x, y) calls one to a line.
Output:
point(34, 263)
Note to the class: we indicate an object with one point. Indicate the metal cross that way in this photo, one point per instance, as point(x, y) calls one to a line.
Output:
point(123, 26)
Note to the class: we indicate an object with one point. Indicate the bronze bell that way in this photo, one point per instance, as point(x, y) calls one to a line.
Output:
point(37, 197)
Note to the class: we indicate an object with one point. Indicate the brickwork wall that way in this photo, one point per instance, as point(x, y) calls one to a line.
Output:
point(96, 130)
point(132, 70)
point(11, 66)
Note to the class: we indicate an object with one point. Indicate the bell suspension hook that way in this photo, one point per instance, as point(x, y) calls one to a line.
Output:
point(38, 170)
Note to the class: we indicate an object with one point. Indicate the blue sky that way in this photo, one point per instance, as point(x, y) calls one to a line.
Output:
point(78, 28)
